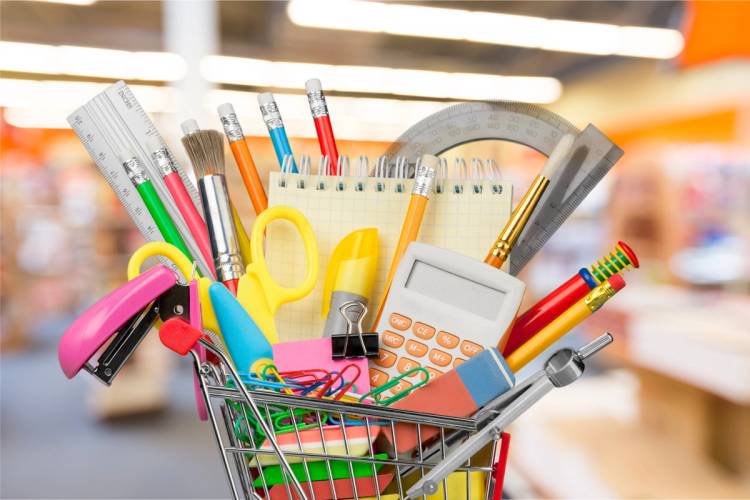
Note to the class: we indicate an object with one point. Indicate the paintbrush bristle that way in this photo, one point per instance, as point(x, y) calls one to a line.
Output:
point(206, 151)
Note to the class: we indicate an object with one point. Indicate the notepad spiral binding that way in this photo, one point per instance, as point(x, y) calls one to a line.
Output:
point(458, 179)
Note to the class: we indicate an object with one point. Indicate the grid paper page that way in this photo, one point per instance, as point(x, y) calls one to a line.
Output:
point(466, 222)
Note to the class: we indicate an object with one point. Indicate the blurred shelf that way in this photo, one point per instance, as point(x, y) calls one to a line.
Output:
point(700, 339)
point(604, 457)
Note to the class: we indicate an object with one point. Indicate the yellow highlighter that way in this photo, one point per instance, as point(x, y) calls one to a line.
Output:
point(350, 276)
point(424, 178)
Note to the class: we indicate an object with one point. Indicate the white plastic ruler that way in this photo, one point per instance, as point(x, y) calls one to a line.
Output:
point(112, 122)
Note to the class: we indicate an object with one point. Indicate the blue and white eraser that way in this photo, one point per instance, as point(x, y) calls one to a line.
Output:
point(486, 376)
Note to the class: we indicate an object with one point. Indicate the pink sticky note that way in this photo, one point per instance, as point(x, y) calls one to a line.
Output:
point(316, 353)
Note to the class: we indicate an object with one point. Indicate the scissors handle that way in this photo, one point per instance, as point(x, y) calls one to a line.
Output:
point(162, 249)
point(275, 293)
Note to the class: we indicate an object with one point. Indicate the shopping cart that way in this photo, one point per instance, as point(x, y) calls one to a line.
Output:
point(303, 459)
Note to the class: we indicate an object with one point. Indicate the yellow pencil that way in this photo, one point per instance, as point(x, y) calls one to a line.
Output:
point(420, 194)
point(565, 322)
point(242, 239)
point(500, 251)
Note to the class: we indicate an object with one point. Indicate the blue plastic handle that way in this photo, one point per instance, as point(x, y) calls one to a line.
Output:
point(244, 340)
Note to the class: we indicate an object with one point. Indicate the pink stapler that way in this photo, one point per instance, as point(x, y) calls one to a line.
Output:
point(125, 316)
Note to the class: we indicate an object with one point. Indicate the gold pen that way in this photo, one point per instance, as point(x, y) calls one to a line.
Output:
point(500, 251)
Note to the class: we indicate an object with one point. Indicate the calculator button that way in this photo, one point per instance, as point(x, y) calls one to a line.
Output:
point(423, 331)
point(447, 340)
point(415, 348)
point(434, 373)
point(377, 378)
point(440, 358)
point(402, 385)
point(392, 339)
point(470, 349)
point(399, 322)
point(406, 364)
point(459, 361)
point(386, 359)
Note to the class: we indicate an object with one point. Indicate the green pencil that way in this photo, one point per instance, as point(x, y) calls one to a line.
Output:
point(153, 203)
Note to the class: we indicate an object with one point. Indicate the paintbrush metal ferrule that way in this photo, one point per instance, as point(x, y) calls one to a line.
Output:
point(231, 124)
point(518, 219)
point(221, 229)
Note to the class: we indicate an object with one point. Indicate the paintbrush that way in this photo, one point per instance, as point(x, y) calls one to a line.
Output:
point(206, 151)
point(502, 247)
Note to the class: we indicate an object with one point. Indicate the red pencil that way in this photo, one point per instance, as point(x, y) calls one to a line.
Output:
point(319, 110)
point(197, 226)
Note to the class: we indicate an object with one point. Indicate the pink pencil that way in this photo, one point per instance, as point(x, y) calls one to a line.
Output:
point(195, 223)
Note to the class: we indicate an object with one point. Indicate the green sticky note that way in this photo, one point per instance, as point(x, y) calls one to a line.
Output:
point(319, 471)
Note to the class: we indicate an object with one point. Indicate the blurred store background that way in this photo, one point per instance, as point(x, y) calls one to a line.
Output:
point(665, 414)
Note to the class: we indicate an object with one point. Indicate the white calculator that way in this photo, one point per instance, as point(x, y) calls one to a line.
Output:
point(442, 309)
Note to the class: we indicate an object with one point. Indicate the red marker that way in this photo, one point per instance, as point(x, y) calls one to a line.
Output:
point(542, 313)
point(319, 110)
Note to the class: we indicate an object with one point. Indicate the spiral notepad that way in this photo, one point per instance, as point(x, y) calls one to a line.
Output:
point(463, 215)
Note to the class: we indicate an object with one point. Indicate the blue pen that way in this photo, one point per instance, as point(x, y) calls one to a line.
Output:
point(276, 130)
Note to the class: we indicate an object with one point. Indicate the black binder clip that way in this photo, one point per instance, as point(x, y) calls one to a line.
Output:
point(354, 343)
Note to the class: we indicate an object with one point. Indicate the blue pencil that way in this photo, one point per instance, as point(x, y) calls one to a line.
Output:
point(276, 130)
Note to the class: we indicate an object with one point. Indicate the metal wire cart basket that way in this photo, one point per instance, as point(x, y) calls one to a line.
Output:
point(277, 446)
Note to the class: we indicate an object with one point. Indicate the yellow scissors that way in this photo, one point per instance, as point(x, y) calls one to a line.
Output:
point(257, 291)
point(162, 249)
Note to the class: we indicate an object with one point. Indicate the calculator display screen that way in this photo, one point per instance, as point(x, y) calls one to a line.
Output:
point(455, 290)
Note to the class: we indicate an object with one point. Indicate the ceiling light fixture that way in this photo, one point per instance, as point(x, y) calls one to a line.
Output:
point(487, 27)
point(381, 80)
point(91, 62)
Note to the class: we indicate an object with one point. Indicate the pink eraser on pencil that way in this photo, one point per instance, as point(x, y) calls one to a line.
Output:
point(459, 393)
point(617, 282)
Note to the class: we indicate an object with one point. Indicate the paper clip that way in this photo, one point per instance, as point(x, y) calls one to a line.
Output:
point(350, 420)
point(314, 375)
point(375, 393)
point(300, 418)
point(254, 381)
point(263, 372)
point(344, 387)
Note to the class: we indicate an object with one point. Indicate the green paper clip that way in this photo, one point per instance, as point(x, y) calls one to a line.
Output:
point(375, 393)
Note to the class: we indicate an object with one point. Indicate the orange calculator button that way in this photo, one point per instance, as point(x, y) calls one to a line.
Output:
point(434, 373)
point(385, 358)
point(447, 340)
point(392, 339)
point(377, 378)
point(406, 364)
point(402, 385)
point(440, 358)
point(399, 322)
point(459, 361)
point(415, 348)
point(470, 349)
point(423, 331)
